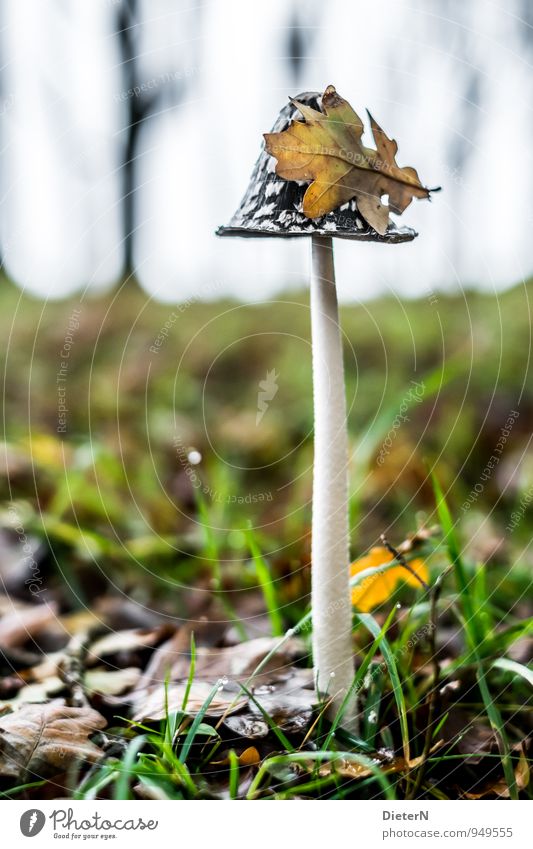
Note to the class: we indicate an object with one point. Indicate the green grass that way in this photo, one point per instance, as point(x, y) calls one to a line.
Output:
point(117, 512)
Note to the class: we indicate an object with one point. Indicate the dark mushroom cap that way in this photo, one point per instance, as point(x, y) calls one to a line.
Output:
point(272, 206)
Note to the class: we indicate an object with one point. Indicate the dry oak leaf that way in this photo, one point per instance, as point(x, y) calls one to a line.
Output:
point(43, 739)
point(353, 769)
point(153, 704)
point(380, 586)
point(327, 149)
point(500, 788)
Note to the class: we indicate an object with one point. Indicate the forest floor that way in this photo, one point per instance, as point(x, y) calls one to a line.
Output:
point(155, 549)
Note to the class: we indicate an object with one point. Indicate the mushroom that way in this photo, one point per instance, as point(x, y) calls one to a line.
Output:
point(272, 207)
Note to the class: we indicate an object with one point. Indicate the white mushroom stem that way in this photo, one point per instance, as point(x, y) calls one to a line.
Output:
point(331, 602)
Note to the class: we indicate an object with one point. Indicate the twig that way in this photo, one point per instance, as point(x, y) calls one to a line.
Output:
point(403, 562)
point(71, 670)
point(433, 694)
point(432, 700)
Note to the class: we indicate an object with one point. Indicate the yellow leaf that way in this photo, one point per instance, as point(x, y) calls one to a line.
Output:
point(379, 587)
point(250, 757)
point(327, 151)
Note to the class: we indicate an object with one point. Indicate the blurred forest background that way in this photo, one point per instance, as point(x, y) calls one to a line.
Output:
point(129, 129)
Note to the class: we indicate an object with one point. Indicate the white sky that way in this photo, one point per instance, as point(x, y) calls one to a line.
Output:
point(451, 80)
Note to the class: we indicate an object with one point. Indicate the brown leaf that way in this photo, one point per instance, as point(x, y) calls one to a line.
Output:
point(240, 661)
point(353, 769)
point(111, 682)
point(247, 725)
point(164, 657)
point(150, 706)
point(470, 737)
point(23, 621)
point(123, 643)
point(500, 788)
point(327, 150)
point(39, 740)
point(289, 703)
point(41, 691)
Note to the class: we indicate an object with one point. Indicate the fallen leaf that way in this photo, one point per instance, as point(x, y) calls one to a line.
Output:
point(288, 703)
point(38, 740)
point(165, 657)
point(327, 149)
point(81, 621)
point(500, 788)
point(47, 667)
point(41, 691)
point(380, 586)
point(249, 757)
point(150, 706)
point(23, 621)
point(247, 725)
point(353, 769)
point(122, 642)
point(467, 735)
point(290, 706)
point(242, 660)
point(112, 682)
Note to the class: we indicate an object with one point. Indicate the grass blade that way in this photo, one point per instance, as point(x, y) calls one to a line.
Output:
point(122, 786)
point(306, 757)
point(192, 669)
point(371, 625)
point(197, 721)
point(497, 725)
point(516, 668)
point(267, 585)
point(287, 745)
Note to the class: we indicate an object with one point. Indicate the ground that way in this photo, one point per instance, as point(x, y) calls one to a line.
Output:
point(155, 549)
